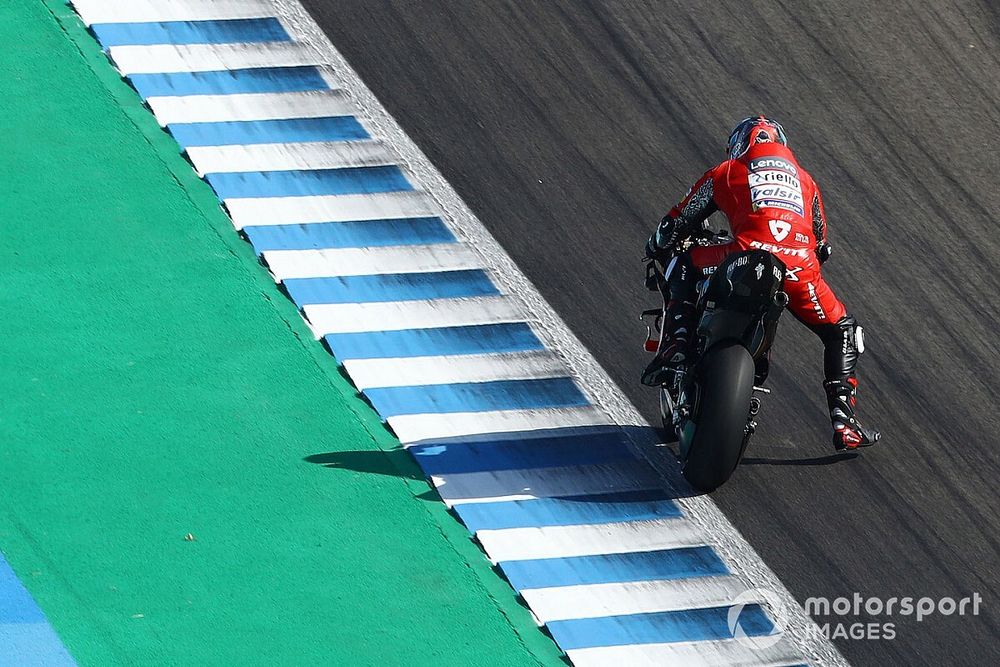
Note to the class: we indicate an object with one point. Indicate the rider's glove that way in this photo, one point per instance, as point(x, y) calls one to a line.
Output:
point(652, 252)
point(823, 252)
point(664, 230)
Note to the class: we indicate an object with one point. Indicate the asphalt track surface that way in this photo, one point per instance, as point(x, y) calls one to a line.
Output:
point(569, 127)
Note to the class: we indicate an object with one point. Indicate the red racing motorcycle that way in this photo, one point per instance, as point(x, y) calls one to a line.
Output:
point(709, 406)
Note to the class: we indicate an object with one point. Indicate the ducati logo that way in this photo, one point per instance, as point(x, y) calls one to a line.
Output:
point(780, 229)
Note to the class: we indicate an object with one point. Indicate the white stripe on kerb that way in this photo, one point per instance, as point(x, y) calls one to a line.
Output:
point(285, 157)
point(411, 429)
point(339, 318)
point(142, 11)
point(632, 597)
point(329, 208)
point(334, 262)
point(250, 106)
point(209, 57)
point(458, 489)
point(687, 654)
point(589, 539)
point(401, 372)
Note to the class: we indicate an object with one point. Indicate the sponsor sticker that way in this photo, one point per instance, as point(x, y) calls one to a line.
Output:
point(773, 177)
point(779, 229)
point(763, 163)
point(774, 183)
point(780, 250)
point(814, 299)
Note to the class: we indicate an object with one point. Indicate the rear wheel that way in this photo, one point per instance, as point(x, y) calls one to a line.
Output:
point(725, 383)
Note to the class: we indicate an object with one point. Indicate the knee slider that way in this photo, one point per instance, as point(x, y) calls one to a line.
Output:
point(852, 334)
point(843, 341)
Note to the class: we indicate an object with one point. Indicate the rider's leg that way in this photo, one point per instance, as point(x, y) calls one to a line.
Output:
point(814, 303)
point(678, 323)
point(844, 341)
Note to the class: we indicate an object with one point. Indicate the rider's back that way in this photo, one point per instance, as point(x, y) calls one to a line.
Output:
point(768, 198)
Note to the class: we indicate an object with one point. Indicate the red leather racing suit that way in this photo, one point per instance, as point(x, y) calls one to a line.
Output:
point(772, 204)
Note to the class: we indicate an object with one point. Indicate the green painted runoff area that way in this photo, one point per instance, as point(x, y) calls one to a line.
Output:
point(185, 476)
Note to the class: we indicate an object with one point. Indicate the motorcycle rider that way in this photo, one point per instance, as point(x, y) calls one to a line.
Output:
point(774, 205)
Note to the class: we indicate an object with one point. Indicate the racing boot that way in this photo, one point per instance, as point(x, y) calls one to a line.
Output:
point(848, 433)
point(673, 353)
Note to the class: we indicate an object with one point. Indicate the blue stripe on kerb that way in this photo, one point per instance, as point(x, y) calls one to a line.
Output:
point(686, 625)
point(229, 82)
point(390, 287)
point(303, 182)
point(571, 511)
point(479, 339)
point(231, 31)
point(286, 130)
point(16, 605)
point(476, 397)
point(614, 568)
point(354, 234)
point(577, 447)
point(26, 638)
point(32, 645)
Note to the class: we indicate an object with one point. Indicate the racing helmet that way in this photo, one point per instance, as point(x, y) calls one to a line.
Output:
point(754, 130)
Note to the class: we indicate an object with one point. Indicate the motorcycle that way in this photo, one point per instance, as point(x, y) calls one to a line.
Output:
point(710, 406)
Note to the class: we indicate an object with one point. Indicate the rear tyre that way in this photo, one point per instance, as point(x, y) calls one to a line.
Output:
point(725, 383)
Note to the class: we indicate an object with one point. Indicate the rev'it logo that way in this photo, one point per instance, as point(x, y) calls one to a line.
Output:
point(779, 229)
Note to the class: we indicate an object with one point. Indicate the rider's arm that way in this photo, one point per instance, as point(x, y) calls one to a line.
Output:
point(687, 216)
point(823, 249)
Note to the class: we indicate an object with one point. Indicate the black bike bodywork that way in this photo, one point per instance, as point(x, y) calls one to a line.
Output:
point(710, 405)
